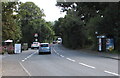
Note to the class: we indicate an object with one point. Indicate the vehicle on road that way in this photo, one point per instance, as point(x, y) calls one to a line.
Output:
point(35, 45)
point(25, 46)
point(59, 41)
point(44, 48)
point(54, 42)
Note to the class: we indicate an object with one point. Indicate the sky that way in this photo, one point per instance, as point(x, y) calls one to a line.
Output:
point(51, 11)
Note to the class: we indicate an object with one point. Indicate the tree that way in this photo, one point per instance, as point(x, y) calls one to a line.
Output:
point(32, 22)
point(30, 18)
point(92, 17)
point(70, 29)
point(110, 25)
point(10, 26)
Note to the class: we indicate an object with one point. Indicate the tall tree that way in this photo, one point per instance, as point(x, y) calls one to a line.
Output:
point(30, 17)
point(32, 22)
point(95, 16)
point(10, 26)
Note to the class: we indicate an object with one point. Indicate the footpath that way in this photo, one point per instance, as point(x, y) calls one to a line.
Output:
point(102, 54)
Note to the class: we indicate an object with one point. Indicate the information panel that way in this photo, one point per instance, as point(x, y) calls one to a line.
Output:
point(17, 48)
point(109, 44)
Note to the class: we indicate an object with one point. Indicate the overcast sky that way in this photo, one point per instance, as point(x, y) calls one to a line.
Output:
point(51, 11)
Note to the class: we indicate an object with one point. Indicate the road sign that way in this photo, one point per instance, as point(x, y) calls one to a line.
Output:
point(36, 39)
point(36, 35)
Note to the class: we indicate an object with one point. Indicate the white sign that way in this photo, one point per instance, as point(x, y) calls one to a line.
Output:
point(100, 44)
point(9, 41)
point(17, 48)
point(36, 39)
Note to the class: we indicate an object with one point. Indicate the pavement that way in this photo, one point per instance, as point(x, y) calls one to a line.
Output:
point(102, 54)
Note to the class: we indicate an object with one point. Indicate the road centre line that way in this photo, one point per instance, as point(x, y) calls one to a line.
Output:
point(111, 73)
point(61, 55)
point(28, 57)
point(75, 61)
point(87, 65)
point(25, 69)
point(58, 53)
point(70, 59)
point(54, 50)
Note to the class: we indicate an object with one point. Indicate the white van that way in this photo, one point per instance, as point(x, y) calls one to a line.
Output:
point(59, 41)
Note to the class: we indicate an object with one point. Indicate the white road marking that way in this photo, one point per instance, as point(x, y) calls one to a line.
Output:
point(75, 61)
point(111, 73)
point(23, 60)
point(70, 59)
point(87, 65)
point(28, 57)
point(25, 69)
point(61, 55)
point(57, 53)
point(54, 51)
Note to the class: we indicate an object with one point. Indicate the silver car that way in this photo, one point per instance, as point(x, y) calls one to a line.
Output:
point(44, 48)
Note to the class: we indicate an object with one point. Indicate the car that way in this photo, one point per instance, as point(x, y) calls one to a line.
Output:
point(59, 41)
point(45, 48)
point(35, 45)
point(54, 42)
point(25, 46)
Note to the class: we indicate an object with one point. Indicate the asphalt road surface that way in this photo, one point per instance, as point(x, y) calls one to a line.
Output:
point(62, 62)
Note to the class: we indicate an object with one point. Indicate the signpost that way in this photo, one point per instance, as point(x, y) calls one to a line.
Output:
point(100, 44)
point(105, 43)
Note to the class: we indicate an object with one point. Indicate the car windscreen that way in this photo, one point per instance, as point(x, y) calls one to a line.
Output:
point(44, 45)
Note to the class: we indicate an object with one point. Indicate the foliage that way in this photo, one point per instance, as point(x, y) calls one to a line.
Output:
point(10, 26)
point(25, 23)
point(93, 17)
point(32, 22)
point(70, 29)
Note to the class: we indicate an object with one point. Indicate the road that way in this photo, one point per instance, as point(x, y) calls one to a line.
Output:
point(62, 62)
